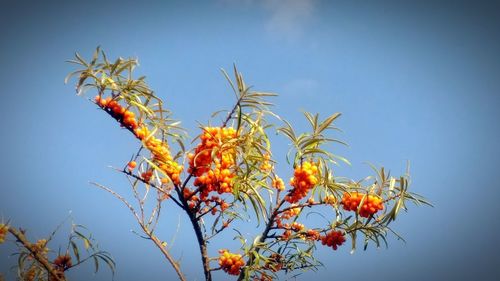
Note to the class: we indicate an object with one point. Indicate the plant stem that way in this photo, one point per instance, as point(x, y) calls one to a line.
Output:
point(199, 235)
point(230, 115)
point(167, 255)
point(263, 237)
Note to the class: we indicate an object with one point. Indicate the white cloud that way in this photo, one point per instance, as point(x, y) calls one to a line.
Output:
point(288, 17)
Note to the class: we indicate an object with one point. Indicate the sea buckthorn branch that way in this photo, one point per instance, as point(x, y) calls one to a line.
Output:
point(306, 177)
point(238, 102)
point(21, 238)
point(262, 238)
point(190, 195)
point(245, 98)
point(199, 235)
point(121, 198)
point(115, 111)
point(301, 206)
point(210, 133)
point(142, 201)
point(214, 207)
point(186, 181)
point(34, 263)
point(198, 166)
point(146, 227)
point(80, 233)
point(137, 96)
point(235, 161)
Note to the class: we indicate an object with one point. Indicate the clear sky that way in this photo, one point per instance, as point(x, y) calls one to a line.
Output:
point(415, 80)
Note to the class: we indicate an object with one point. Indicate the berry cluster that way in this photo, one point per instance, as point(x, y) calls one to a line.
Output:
point(312, 234)
point(40, 247)
point(299, 229)
point(304, 178)
point(160, 153)
point(330, 199)
point(213, 161)
point(297, 226)
point(3, 232)
point(63, 262)
point(159, 149)
point(278, 183)
point(291, 212)
point(194, 202)
point(371, 203)
point(266, 165)
point(146, 176)
point(124, 116)
point(230, 263)
point(286, 235)
point(333, 239)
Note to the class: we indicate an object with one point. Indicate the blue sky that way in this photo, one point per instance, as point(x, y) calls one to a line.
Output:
point(414, 81)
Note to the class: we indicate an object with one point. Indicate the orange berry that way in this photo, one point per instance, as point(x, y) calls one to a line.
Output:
point(117, 109)
point(103, 102)
point(111, 104)
point(131, 165)
point(128, 114)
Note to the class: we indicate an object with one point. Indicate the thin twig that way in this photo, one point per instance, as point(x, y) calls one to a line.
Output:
point(167, 255)
point(230, 115)
point(131, 208)
point(148, 232)
point(152, 185)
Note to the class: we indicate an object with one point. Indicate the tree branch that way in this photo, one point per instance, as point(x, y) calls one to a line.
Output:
point(40, 258)
point(263, 236)
point(199, 235)
point(148, 232)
